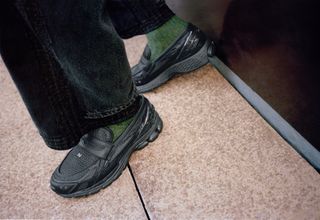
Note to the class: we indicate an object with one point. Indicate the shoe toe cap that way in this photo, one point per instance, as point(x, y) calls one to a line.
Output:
point(66, 184)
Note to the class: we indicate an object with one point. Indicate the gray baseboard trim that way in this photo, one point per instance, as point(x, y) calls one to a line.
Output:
point(292, 136)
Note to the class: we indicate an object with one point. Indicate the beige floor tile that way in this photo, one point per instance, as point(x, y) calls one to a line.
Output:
point(26, 165)
point(217, 158)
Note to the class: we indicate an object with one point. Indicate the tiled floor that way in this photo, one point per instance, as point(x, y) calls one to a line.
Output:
point(26, 165)
point(215, 159)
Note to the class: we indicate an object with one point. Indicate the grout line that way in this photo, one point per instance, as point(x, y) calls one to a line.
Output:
point(138, 191)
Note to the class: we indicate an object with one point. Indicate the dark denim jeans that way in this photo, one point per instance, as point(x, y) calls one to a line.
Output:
point(68, 60)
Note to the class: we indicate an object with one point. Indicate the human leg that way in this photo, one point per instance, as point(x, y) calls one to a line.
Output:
point(75, 85)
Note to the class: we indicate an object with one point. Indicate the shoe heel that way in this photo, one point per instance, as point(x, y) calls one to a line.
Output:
point(192, 63)
point(153, 135)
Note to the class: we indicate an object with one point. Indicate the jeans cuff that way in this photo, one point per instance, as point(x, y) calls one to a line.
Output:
point(85, 125)
point(97, 114)
point(160, 15)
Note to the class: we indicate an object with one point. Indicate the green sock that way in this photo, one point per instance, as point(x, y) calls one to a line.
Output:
point(161, 38)
point(118, 129)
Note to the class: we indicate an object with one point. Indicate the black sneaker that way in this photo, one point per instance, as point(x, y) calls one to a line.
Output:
point(187, 53)
point(96, 161)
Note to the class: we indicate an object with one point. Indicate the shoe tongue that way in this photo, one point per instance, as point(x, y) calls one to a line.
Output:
point(147, 52)
point(98, 142)
point(102, 134)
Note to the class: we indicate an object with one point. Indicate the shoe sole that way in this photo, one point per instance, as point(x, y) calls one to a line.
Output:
point(141, 143)
point(192, 63)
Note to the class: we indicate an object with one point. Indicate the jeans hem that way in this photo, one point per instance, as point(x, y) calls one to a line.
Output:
point(158, 18)
point(66, 141)
point(96, 114)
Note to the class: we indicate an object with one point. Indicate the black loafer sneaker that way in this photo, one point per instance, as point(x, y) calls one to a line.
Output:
point(96, 161)
point(187, 53)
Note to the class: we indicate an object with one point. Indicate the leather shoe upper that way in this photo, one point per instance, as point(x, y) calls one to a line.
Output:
point(97, 155)
point(185, 46)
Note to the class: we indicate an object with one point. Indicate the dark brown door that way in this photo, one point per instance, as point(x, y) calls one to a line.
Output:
point(273, 46)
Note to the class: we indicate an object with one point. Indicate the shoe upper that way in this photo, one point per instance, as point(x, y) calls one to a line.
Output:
point(190, 41)
point(96, 155)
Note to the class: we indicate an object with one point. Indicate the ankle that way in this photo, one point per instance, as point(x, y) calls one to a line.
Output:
point(119, 128)
point(163, 37)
